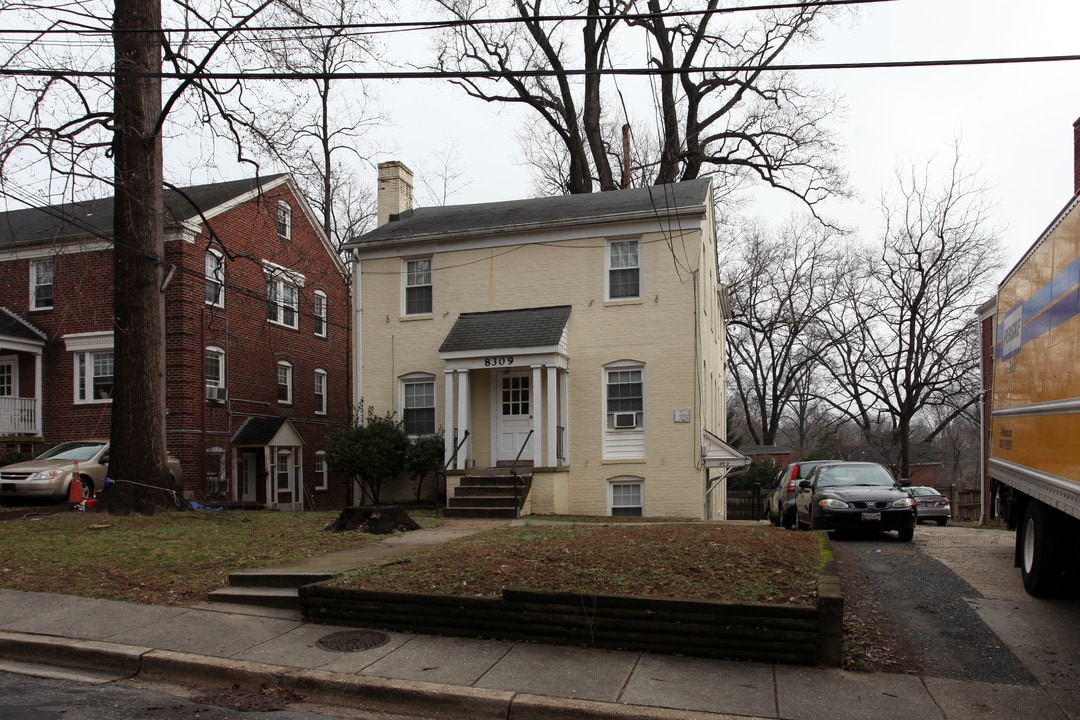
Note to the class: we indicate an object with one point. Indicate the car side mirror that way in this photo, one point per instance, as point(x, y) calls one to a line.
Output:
point(904, 482)
point(804, 485)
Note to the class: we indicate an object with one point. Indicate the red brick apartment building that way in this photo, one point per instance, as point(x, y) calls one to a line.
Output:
point(257, 337)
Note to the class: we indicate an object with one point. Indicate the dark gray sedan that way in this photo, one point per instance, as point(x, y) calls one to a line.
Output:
point(855, 497)
point(931, 504)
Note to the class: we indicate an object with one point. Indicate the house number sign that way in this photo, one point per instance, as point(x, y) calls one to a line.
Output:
point(499, 361)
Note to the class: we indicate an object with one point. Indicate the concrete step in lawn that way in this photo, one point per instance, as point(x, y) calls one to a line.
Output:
point(267, 588)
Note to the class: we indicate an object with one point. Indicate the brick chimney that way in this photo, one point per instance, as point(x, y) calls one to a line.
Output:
point(395, 190)
point(1076, 157)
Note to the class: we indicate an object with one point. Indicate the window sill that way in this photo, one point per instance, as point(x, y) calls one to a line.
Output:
point(282, 325)
point(410, 318)
point(40, 309)
point(623, 461)
point(623, 301)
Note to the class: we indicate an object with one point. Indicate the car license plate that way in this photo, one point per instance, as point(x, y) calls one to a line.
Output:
point(871, 517)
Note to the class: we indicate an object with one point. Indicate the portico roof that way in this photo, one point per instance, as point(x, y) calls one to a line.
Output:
point(523, 328)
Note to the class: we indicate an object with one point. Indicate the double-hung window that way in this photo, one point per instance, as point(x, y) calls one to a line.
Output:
point(625, 402)
point(41, 285)
point(625, 497)
point(92, 354)
point(624, 270)
point(418, 291)
point(215, 374)
point(215, 279)
point(320, 392)
point(321, 482)
point(284, 383)
point(418, 405)
point(282, 301)
point(320, 313)
point(284, 219)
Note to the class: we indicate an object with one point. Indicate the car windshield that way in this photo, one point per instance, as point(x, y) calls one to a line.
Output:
point(72, 451)
point(852, 475)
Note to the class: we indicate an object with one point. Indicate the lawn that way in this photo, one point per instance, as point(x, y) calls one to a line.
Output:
point(176, 558)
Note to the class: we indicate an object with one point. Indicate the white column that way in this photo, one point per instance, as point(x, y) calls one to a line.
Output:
point(39, 399)
point(463, 419)
point(537, 407)
point(448, 415)
point(552, 396)
point(564, 412)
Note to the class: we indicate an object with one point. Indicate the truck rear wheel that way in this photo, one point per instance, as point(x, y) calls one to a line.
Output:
point(1039, 566)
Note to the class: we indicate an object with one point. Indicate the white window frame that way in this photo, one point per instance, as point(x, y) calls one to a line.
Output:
point(283, 220)
point(627, 481)
point(613, 419)
point(320, 392)
point(223, 477)
point(85, 349)
point(320, 314)
point(611, 268)
point(219, 353)
point(280, 310)
point(215, 275)
point(414, 379)
point(287, 367)
point(35, 278)
point(322, 481)
point(11, 361)
point(283, 477)
point(408, 275)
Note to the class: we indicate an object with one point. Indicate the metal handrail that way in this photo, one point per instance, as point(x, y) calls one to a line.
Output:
point(452, 458)
point(513, 474)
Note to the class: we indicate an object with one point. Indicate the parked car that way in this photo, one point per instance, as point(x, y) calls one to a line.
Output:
point(931, 505)
point(50, 474)
point(780, 502)
point(855, 497)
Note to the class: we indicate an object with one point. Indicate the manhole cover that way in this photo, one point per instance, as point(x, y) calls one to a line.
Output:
point(353, 640)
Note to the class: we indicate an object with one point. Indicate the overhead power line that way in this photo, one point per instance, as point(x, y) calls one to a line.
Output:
point(80, 29)
point(498, 74)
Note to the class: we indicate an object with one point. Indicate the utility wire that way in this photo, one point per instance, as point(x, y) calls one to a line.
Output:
point(498, 74)
point(77, 29)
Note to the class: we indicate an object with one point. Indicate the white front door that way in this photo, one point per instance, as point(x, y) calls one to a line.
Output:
point(513, 417)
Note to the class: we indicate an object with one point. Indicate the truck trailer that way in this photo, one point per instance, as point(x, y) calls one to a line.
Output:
point(1034, 438)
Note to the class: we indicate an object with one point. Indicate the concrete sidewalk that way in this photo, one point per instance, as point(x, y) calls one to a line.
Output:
point(219, 645)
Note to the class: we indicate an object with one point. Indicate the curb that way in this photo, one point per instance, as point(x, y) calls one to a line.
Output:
point(373, 694)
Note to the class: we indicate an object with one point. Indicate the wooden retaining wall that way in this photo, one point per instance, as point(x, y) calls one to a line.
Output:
point(790, 634)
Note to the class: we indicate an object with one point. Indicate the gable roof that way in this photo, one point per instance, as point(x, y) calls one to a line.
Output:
point(536, 213)
point(528, 327)
point(14, 327)
point(95, 217)
point(260, 431)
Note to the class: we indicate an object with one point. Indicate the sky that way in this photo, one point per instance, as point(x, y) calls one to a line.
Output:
point(1013, 123)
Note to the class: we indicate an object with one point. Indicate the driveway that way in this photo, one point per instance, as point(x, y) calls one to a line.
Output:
point(958, 601)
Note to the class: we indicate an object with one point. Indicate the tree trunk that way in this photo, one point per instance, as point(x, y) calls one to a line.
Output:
point(138, 453)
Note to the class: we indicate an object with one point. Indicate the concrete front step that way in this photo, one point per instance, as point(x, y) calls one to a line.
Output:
point(255, 578)
point(287, 598)
point(481, 512)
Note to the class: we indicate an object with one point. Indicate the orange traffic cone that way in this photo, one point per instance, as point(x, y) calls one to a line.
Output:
point(75, 490)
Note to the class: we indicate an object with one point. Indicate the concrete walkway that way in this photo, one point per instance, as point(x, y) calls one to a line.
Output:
point(218, 645)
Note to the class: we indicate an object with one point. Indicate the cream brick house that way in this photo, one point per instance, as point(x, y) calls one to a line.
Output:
point(578, 338)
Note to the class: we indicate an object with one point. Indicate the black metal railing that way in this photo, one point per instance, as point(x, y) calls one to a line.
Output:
point(517, 479)
point(442, 473)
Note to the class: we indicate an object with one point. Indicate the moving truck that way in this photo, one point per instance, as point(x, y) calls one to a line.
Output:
point(1034, 455)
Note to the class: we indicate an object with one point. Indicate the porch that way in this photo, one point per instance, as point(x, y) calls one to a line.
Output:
point(21, 350)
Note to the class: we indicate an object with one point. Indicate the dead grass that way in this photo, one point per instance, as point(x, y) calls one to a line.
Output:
point(167, 559)
point(700, 561)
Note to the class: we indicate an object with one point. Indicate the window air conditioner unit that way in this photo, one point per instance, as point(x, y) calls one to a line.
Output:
point(216, 394)
point(625, 420)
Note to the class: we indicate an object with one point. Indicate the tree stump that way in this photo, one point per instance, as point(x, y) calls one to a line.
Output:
point(374, 519)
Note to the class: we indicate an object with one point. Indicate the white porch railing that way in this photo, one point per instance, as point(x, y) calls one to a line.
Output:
point(19, 416)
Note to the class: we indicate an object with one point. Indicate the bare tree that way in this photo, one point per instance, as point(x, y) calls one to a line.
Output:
point(903, 341)
point(76, 127)
point(309, 126)
point(737, 123)
point(779, 286)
